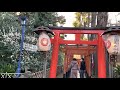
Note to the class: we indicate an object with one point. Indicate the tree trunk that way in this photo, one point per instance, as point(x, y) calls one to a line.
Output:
point(88, 19)
point(93, 19)
point(102, 19)
point(80, 19)
point(85, 24)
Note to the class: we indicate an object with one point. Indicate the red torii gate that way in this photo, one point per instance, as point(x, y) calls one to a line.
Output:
point(56, 41)
point(72, 50)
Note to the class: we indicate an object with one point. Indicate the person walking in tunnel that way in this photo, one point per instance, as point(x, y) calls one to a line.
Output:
point(82, 68)
point(74, 68)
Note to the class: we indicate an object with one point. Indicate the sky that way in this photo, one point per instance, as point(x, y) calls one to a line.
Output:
point(70, 17)
point(113, 16)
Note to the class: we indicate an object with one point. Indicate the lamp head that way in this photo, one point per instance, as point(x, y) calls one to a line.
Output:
point(40, 29)
point(111, 38)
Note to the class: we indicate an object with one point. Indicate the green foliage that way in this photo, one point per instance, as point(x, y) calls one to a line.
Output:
point(60, 58)
point(44, 18)
point(78, 18)
point(62, 36)
point(76, 24)
point(61, 20)
point(9, 68)
point(117, 71)
point(10, 38)
point(48, 18)
point(82, 19)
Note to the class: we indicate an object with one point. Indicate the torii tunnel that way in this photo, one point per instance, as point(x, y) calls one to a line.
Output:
point(57, 40)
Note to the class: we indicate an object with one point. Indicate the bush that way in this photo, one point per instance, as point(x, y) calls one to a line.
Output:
point(9, 68)
point(117, 71)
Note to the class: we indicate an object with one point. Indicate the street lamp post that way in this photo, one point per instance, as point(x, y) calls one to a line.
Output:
point(111, 38)
point(44, 43)
point(23, 23)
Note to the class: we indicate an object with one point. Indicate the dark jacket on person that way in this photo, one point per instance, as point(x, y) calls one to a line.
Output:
point(83, 66)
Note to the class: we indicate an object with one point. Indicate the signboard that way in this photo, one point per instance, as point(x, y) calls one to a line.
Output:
point(30, 47)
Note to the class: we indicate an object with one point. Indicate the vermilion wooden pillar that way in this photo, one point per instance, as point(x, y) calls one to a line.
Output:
point(77, 37)
point(65, 63)
point(89, 64)
point(55, 52)
point(101, 58)
point(87, 61)
point(69, 60)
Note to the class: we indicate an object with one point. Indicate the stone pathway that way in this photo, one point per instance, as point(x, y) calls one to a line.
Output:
point(60, 75)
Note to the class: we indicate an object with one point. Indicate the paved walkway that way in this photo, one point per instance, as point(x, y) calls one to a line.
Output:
point(61, 75)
